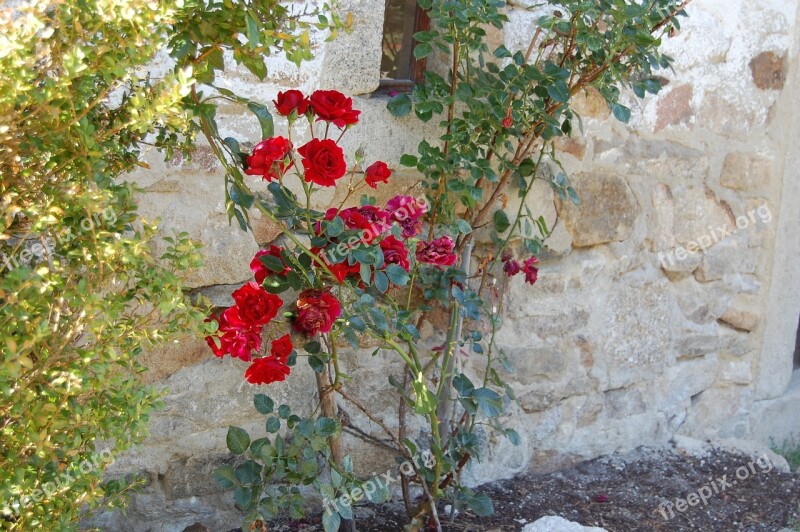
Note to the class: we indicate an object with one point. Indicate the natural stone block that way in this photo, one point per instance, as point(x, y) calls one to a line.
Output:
point(590, 103)
point(636, 321)
point(687, 222)
point(163, 361)
point(193, 476)
point(731, 256)
point(746, 172)
point(769, 70)
point(613, 213)
point(675, 107)
point(624, 402)
point(553, 523)
point(735, 372)
point(572, 146)
point(741, 319)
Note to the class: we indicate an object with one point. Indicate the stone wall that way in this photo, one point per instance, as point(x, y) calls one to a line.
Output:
point(667, 305)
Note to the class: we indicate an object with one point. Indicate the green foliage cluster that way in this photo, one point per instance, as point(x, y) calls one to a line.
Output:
point(81, 293)
point(500, 111)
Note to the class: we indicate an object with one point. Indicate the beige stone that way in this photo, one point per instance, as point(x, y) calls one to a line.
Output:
point(741, 319)
point(746, 172)
point(614, 210)
point(163, 361)
point(590, 103)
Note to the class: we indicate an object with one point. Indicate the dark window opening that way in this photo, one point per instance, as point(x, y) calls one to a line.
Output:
point(399, 69)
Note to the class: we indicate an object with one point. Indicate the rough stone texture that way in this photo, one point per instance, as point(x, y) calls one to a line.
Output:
point(654, 316)
point(742, 171)
point(675, 107)
point(352, 62)
point(559, 524)
point(613, 212)
point(769, 70)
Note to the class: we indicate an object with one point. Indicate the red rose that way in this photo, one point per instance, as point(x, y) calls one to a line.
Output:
point(316, 312)
point(376, 173)
point(282, 348)
point(508, 120)
point(512, 267)
point(269, 158)
point(291, 100)
point(323, 161)
point(266, 370)
point(438, 252)
point(260, 271)
point(395, 252)
point(236, 338)
point(369, 219)
point(531, 272)
point(256, 305)
point(333, 106)
point(407, 211)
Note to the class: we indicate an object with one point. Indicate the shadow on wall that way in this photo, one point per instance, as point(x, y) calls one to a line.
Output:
point(797, 348)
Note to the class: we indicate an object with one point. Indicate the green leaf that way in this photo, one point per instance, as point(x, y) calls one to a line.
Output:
point(381, 282)
point(264, 118)
point(312, 347)
point(263, 403)
point(397, 274)
point(480, 503)
point(513, 436)
point(408, 160)
point(273, 263)
point(489, 401)
point(464, 227)
point(273, 424)
point(326, 426)
point(243, 497)
point(331, 521)
point(284, 411)
point(399, 105)
point(425, 402)
point(501, 222)
point(240, 197)
point(249, 473)
point(335, 227)
point(463, 385)
point(422, 50)
point(502, 52)
point(357, 323)
point(224, 477)
point(316, 364)
point(621, 113)
point(252, 29)
point(238, 440)
point(380, 492)
point(558, 91)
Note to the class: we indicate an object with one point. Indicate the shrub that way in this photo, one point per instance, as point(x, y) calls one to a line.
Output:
point(80, 291)
point(377, 271)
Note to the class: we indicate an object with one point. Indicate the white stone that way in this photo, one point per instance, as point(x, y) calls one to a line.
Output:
point(559, 524)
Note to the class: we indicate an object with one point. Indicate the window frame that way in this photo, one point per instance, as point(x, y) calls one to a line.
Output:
point(417, 69)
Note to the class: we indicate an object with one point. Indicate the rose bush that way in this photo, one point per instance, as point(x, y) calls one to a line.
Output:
point(378, 271)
